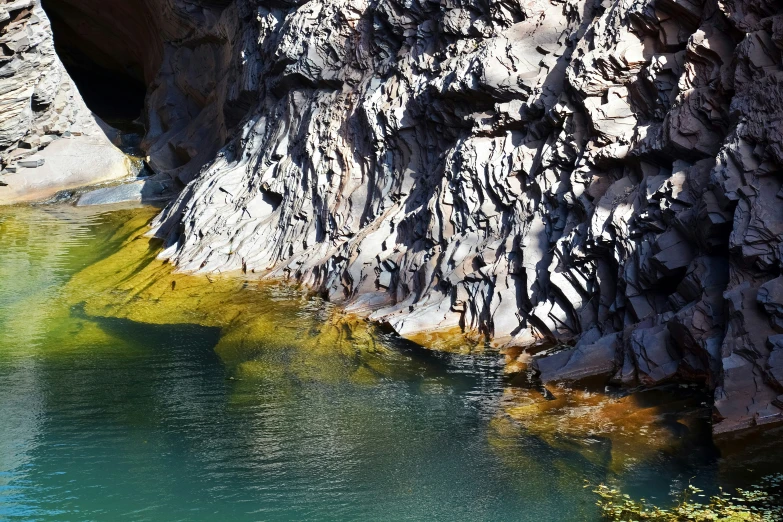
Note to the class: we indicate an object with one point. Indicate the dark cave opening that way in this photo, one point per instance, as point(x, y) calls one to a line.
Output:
point(109, 79)
point(115, 98)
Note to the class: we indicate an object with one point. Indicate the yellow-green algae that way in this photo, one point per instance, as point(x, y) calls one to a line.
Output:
point(450, 340)
point(43, 250)
point(274, 332)
point(267, 330)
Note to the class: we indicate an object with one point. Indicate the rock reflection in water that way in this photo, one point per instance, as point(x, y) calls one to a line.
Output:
point(201, 394)
point(268, 330)
point(274, 332)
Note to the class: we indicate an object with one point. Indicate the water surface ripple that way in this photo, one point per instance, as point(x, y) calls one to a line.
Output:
point(108, 418)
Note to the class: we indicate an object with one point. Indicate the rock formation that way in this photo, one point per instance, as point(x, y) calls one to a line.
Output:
point(604, 177)
point(49, 140)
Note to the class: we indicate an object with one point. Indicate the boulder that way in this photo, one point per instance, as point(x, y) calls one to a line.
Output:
point(589, 362)
point(141, 191)
point(66, 164)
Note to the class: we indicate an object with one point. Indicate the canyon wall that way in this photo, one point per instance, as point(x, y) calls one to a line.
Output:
point(49, 139)
point(193, 55)
point(180, 51)
point(36, 95)
point(605, 178)
point(599, 174)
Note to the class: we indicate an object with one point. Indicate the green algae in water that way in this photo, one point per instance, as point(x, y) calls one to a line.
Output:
point(761, 503)
point(41, 247)
point(129, 391)
point(268, 331)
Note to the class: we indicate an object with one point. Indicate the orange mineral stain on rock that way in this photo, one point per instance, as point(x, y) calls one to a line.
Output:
point(451, 340)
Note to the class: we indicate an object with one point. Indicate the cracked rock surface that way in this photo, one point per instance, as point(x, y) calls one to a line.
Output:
point(599, 174)
point(44, 122)
point(602, 176)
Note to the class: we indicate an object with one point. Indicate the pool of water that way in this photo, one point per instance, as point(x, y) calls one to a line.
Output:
point(129, 392)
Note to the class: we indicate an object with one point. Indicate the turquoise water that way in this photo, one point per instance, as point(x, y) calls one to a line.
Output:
point(107, 418)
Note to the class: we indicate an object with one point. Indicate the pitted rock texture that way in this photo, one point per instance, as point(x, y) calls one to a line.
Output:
point(603, 174)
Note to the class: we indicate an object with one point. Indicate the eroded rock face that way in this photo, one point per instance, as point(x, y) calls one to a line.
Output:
point(604, 174)
point(598, 174)
point(181, 50)
point(44, 122)
point(32, 78)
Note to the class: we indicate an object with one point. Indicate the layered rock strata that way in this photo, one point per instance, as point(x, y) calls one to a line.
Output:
point(49, 139)
point(182, 50)
point(601, 177)
point(599, 174)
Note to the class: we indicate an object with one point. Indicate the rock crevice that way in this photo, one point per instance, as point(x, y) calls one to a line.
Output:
point(600, 176)
point(604, 174)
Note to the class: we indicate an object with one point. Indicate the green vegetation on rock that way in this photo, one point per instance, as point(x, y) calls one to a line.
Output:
point(762, 503)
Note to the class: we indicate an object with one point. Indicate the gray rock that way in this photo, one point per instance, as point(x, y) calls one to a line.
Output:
point(521, 180)
point(770, 297)
point(654, 357)
point(536, 173)
point(597, 361)
point(38, 104)
point(65, 164)
point(136, 191)
point(31, 163)
point(775, 361)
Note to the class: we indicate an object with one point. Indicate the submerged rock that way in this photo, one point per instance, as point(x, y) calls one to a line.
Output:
point(136, 191)
point(587, 361)
point(620, 432)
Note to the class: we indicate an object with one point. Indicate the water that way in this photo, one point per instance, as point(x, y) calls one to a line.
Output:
point(128, 392)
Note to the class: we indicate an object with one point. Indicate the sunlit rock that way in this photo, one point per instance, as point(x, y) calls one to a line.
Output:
point(533, 175)
point(49, 140)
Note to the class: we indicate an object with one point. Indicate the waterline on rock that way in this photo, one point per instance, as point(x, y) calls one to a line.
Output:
point(136, 392)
